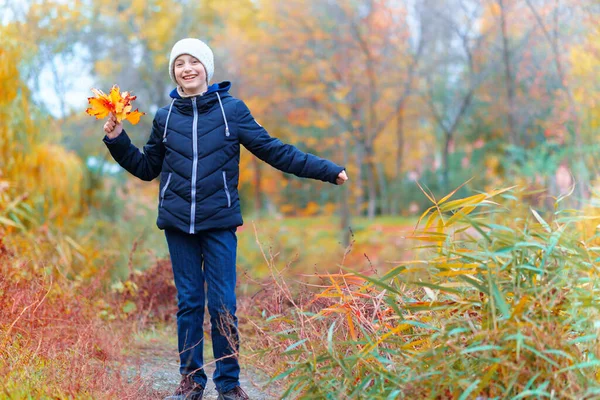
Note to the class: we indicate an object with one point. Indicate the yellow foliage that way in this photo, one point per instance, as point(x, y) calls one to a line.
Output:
point(585, 70)
point(45, 174)
point(321, 123)
point(57, 174)
point(107, 68)
point(330, 208)
point(8, 70)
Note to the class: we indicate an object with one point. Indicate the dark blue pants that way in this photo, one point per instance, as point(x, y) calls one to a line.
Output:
point(207, 256)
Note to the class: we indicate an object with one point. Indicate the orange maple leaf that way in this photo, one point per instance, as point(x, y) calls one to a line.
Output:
point(115, 102)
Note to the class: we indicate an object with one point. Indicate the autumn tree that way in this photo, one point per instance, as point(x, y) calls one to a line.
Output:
point(345, 69)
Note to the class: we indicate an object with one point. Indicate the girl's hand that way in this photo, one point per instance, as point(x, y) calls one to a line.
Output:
point(342, 177)
point(112, 127)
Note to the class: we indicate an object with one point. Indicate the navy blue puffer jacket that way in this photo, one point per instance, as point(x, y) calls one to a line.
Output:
point(195, 148)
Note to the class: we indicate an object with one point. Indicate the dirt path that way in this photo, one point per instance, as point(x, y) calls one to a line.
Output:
point(156, 362)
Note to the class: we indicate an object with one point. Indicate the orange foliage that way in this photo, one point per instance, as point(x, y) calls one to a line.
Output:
point(311, 209)
point(116, 103)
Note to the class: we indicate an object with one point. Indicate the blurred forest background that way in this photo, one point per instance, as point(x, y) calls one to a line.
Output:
point(445, 94)
point(399, 91)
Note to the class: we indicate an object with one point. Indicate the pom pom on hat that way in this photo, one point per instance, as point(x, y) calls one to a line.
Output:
point(196, 48)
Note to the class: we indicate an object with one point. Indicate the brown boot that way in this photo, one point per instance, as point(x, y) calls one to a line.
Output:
point(187, 390)
point(237, 393)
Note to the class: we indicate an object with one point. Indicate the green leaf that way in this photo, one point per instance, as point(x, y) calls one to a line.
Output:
point(530, 268)
point(471, 388)
point(537, 353)
point(436, 287)
point(582, 339)
point(485, 347)
point(476, 284)
point(284, 374)
point(541, 220)
point(330, 338)
point(293, 346)
point(531, 393)
point(500, 302)
point(129, 307)
point(8, 222)
point(586, 364)
point(376, 282)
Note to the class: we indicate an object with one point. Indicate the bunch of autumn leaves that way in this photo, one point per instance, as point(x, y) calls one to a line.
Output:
point(116, 103)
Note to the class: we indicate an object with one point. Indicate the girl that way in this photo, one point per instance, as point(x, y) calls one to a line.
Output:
point(195, 148)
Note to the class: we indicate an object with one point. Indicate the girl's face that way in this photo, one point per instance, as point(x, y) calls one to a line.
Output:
point(190, 74)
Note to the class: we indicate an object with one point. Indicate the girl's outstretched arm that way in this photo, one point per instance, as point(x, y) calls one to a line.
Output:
point(145, 165)
point(282, 156)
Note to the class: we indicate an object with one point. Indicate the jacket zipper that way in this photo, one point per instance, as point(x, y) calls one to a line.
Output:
point(226, 190)
point(162, 192)
point(194, 166)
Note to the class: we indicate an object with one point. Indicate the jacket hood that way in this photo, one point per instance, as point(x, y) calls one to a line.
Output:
point(215, 93)
point(215, 87)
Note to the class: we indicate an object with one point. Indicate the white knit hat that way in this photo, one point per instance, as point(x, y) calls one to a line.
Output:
point(196, 48)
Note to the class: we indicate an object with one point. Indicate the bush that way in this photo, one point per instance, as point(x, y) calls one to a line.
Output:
point(497, 303)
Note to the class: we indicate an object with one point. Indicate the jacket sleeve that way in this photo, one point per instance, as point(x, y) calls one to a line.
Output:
point(282, 156)
point(145, 165)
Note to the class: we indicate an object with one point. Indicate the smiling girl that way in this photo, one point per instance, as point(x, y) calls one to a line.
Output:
point(195, 148)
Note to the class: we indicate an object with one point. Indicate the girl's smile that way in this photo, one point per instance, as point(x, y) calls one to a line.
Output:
point(190, 74)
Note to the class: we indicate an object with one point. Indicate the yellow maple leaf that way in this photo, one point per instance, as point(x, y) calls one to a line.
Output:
point(114, 102)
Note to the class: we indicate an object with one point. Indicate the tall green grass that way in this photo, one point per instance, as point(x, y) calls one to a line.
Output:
point(498, 301)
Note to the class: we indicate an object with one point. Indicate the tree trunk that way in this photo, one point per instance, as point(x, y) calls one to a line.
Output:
point(395, 196)
point(445, 166)
point(371, 182)
point(360, 192)
point(510, 83)
point(345, 211)
point(384, 201)
point(399, 141)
